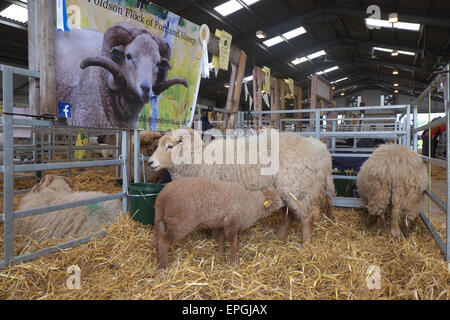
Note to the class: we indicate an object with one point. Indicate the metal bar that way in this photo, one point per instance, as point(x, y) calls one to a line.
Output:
point(136, 148)
point(317, 116)
point(340, 177)
point(363, 134)
point(21, 71)
point(347, 202)
point(375, 108)
point(428, 89)
point(408, 127)
point(8, 158)
point(437, 162)
point(433, 232)
point(124, 157)
point(435, 198)
point(57, 248)
point(431, 125)
point(355, 155)
point(65, 165)
point(36, 211)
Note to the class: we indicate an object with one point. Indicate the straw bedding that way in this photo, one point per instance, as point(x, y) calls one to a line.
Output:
point(122, 265)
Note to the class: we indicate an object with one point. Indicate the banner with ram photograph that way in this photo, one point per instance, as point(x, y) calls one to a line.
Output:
point(125, 64)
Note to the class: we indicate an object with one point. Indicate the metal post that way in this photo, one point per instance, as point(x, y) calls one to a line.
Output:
point(136, 148)
point(317, 116)
point(408, 127)
point(415, 125)
point(447, 200)
point(125, 168)
point(8, 158)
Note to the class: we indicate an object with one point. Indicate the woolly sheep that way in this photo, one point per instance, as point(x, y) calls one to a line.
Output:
point(223, 206)
point(302, 171)
point(393, 178)
point(53, 190)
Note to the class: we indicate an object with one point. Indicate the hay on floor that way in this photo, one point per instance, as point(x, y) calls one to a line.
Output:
point(122, 265)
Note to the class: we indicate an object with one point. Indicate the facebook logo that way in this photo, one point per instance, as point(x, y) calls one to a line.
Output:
point(64, 110)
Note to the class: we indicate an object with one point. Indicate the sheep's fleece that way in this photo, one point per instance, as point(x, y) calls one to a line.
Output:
point(393, 178)
point(53, 190)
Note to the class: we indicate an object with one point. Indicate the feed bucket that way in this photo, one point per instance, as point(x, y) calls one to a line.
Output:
point(142, 197)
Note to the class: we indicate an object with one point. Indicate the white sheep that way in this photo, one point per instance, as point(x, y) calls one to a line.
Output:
point(302, 177)
point(223, 206)
point(53, 190)
point(394, 178)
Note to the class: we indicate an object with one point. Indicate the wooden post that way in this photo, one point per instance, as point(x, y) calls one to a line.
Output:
point(255, 92)
point(41, 41)
point(275, 101)
point(229, 103)
point(259, 95)
point(237, 89)
point(298, 103)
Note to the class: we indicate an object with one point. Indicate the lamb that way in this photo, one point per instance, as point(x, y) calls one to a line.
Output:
point(148, 142)
point(302, 177)
point(53, 190)
point(223, 206)
point(133, 67)
point(394, 179)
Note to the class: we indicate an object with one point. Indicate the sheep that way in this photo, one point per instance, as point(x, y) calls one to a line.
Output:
point(394, 179)
point(148, 142)
point(133, 67)
point(223, 206)
point(53, 190)
point(302, 177)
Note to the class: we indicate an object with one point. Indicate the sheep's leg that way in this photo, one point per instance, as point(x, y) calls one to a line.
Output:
point(381, 220)
point(307, 223)
point(163, 252)
point(395, 229)
point(221, 237)
point(285, 224)
point(230, 231)
point(232, 237)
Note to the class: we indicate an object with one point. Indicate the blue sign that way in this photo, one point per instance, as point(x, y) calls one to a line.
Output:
point(64, 110)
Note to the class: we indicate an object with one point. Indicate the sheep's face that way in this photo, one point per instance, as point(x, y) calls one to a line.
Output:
point(53, 182)
point(140, 64)
point(273, 201)
point(162, 157)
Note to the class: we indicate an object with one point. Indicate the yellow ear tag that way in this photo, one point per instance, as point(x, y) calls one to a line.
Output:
point(267, 203)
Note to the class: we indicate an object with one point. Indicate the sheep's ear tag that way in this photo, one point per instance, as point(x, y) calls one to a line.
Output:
point(267, 203)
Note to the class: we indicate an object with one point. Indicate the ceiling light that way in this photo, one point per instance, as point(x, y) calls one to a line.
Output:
point(294, 33)
point(298, 60)
point(333, 87)
point(393, 17)
point(339, 80)
point(397, 25)
point(395, 91)
point(247, 79)
point(342, 94)
point(319, 73)
point(273, 41)
point(331, 69)
point(261, 34)
point(395, 71)
point(226, 85)
point(395, 84)
point(316, 54)
point(232, 6)
point(409, 53)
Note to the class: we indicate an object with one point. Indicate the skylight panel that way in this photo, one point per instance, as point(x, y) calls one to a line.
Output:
point(15, 12)
point(273, 41)
point(339, 80)
point(228, 7)
point(294, 33)
point(232, 6)
point(316, 54)
point(331, 69)
point(299, 60)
